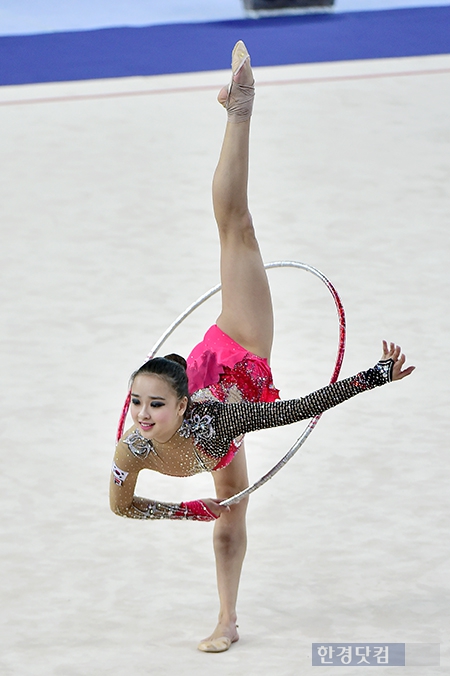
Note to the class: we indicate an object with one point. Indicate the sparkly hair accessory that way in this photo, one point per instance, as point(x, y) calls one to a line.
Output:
point(313, 422)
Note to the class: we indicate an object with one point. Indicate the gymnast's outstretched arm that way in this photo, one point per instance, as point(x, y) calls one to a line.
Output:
point(228, 421)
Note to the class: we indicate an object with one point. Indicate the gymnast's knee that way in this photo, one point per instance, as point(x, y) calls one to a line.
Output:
point(230, 535)
point(239, 227)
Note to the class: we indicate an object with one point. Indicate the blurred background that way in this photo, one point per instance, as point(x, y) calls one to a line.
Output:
point(19, 17)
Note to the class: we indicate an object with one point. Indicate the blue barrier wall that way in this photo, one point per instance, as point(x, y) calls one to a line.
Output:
point(177, 48)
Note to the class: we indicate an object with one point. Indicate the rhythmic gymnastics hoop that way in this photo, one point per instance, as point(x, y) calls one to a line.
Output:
point(313, 422)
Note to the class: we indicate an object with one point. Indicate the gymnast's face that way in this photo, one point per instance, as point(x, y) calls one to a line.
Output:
point(155, 408)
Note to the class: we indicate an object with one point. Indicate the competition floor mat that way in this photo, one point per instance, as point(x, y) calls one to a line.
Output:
point(107, 235)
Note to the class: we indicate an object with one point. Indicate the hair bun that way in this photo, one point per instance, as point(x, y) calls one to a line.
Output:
point(177, 358)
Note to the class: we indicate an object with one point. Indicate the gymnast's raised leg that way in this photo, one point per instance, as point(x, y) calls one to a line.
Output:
point(246, 316)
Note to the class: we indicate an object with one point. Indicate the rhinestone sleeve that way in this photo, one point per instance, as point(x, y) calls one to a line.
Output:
point(141, 508)
point(230, 420)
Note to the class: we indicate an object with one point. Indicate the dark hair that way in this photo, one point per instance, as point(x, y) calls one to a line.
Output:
point(172, 368)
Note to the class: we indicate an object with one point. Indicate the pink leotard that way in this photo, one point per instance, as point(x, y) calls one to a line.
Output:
point(219, 369)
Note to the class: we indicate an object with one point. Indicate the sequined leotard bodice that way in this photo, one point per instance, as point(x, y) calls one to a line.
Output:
point(209, 428)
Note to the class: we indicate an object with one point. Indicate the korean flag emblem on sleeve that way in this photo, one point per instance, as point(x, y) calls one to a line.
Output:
point(119, 475)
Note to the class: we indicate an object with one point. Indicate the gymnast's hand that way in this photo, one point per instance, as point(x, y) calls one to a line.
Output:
point(394, 352)
point(214, 505)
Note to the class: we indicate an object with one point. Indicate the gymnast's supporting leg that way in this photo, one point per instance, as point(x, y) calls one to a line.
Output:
point(230, 544)
point(247, 317)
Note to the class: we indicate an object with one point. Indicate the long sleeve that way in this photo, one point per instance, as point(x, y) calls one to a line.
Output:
point(142, 508)
point(215, 425)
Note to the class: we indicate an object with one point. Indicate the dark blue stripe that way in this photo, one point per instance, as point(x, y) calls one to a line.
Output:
point(178, 48)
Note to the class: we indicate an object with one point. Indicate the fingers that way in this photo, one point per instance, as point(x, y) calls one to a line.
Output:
point(406, 372)
point(391, 350)
point(401, 360)
point(394, 352)
point(214, 505)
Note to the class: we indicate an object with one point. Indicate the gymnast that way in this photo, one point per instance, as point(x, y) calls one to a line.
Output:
point(190, 421)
